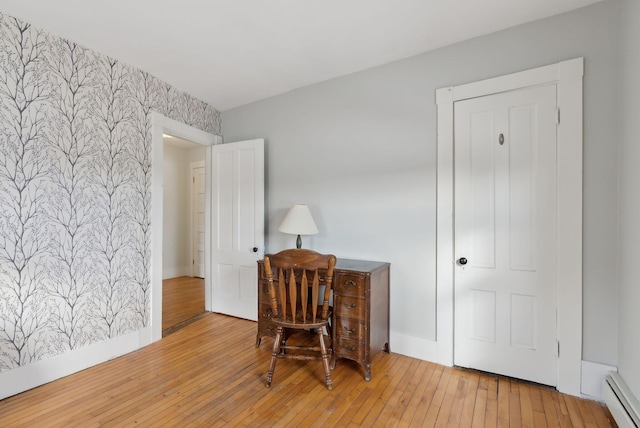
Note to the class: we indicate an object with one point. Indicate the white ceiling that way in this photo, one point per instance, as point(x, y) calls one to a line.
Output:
point(233, 52)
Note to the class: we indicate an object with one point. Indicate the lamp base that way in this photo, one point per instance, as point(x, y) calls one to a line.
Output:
point(299, 242)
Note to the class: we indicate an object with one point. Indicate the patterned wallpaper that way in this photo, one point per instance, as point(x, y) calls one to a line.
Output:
point(75, 192)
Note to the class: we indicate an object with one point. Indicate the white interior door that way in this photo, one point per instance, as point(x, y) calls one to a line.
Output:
point(505, 234)
point(198, 219)
point(238, 226)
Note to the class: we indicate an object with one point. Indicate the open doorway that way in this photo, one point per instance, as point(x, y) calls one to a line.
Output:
point(183, 247)
point(160, 125)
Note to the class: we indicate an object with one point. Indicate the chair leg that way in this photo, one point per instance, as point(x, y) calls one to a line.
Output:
point(333, 360)
point(325, 360)
point(332, 351)
point(274, 355)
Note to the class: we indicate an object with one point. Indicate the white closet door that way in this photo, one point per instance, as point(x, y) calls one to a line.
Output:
point(505, 234)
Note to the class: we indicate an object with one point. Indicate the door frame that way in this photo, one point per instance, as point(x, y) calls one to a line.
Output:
point(568, 77)
point(192, 209)
point(161, 124)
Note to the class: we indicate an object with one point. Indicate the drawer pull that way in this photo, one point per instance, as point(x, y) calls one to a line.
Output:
point(349, 306)
point(349, 330)
point(270, 327)
point(349, 348)
point(349, 283)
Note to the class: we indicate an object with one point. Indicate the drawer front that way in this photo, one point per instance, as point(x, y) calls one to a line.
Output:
point(347, 348)
point(350, 285)
point(263, 292)
point(350, 329)
point(264, 311)
point(350, 307)
point(266, 328)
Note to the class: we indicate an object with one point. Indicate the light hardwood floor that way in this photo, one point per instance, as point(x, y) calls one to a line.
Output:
point(182, 302)
point(210, 374)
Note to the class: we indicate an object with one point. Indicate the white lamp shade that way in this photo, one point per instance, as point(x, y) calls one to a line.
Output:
point(298, 221)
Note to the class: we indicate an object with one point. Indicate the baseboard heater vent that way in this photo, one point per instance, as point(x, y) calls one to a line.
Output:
point(622, 404)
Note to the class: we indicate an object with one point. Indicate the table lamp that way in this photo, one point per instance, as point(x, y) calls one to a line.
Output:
point(299, 221)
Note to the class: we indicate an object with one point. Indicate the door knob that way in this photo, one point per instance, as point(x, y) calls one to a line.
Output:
point(255, 249)
point(462, 261)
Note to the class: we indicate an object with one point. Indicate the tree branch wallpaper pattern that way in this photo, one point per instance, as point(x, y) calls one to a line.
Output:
point(75, 192)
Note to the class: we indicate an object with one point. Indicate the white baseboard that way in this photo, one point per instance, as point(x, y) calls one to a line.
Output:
point(176, 271)
point(30, 376)
point(23, 378)
point(415, 347)
point(593, 374)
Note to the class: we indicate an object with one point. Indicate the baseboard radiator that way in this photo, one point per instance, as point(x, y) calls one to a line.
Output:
point(622, 404)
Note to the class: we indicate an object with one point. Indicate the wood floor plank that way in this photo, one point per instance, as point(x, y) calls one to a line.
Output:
point(439, 403)
point(470, 400)
point(551, 409)
point(424, 405)
point(600, 414)
point(586, 407)
point(209, 373)
point(269, 408)
point(503, 402)
point(388, 400)
point(319, 413)
point(442, 420)
point(455, 415)
point(526, 407)
point(422, 383)
point(491, 413)
point(515, 415)
point(536, 400)
point(386, 383)
point(405, 404)
point(562, 412)
point(574, 412)
point(359, 393)
point(478, 419)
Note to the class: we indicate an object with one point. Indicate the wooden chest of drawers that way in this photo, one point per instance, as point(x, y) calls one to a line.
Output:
point(360, 323)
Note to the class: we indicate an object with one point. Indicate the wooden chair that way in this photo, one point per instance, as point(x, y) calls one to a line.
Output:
point(291, 274)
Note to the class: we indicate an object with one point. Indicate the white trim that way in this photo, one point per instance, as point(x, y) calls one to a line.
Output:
point(444, 228)
point(570, 74)
point(414, 347)
point(593, 376)
point(567, 75)
point(510, 82)
point(160, 125)
point(176, 272)
point(23, 378)
point(192, 255)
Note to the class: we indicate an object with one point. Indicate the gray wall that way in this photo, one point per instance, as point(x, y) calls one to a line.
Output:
point(629, 319)
point(361, 151)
